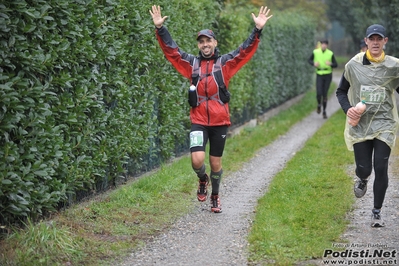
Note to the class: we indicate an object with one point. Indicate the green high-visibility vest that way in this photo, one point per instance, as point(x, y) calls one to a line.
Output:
point(322, 57)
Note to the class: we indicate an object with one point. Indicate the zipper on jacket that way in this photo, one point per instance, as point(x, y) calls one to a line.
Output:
point(206, 91)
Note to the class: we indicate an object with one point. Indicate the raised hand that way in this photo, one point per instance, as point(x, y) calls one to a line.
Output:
point(157, 17)
point(262, 17)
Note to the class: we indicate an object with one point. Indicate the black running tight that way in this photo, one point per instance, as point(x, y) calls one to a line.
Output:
point(322, 85)
point(363, 158)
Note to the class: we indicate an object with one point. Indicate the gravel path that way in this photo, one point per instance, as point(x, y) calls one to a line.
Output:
point(360, 236)
point(205, 238)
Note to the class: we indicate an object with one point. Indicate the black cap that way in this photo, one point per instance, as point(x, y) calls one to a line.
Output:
point(208, 33)
point(375, 29)
point(362, 44)
point(324, 41)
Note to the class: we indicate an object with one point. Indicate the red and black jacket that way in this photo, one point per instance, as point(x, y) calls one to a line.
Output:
point(209, 112)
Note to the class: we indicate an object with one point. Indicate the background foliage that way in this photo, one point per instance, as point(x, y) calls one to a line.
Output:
point(87, 98)
point(356, 15)
point(313, 9)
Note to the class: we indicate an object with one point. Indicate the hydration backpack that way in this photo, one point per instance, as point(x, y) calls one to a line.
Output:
point(222, 96)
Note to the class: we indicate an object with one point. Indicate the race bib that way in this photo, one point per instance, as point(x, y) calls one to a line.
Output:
point(196, 139)
point(372, 94)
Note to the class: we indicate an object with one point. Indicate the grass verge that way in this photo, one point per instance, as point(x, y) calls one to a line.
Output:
point(110, 225)
point(304, 210)
point(341, 61)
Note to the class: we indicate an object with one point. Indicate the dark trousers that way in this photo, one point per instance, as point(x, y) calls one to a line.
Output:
point(363, 158)
point(322, 85)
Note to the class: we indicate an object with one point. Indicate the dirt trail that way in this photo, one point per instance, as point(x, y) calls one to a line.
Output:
point(204, 238)
point(361, 237)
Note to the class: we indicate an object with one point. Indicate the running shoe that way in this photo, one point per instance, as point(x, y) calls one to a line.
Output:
point(202, 191)
point(376, 220)
point(215, 204)
point(324, 115)
point(360, 187)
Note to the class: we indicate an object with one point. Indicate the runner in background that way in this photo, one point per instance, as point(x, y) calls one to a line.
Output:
point(363, 46)
point(324, 61)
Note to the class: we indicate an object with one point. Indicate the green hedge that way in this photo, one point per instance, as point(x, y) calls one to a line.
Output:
point(279, 69)
point(87, 98)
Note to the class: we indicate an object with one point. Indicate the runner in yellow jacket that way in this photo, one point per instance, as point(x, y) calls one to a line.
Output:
point(324, 61)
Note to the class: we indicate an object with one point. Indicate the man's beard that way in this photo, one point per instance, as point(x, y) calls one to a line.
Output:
point(208, 55)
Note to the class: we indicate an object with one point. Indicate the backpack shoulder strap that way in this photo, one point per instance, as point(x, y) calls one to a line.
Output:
point(195, 76)
point(223, 95)
point(217, 72)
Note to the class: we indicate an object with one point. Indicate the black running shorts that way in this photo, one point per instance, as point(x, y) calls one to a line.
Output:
point(199, 136)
